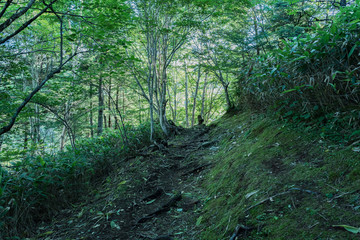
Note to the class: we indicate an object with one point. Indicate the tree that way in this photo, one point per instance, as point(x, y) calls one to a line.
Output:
point(73, 31)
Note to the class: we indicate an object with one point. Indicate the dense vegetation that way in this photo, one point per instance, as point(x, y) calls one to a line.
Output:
point(85, 84)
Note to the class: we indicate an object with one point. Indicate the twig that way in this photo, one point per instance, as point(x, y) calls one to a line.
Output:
point(280, 194)
point(238, 228)
point(265, 200)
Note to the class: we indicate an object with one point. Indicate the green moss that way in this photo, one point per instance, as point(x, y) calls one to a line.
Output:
point(259, 158)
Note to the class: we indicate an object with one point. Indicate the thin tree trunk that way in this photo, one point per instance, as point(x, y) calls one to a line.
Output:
point(172, 108)
point(26, 135)
point(91, 112)
point(63, 132)
point(101, 107)
point(123, 102)
point(210, 104)
point(186, 97)
point(109, 105)
point(175, 103)
point(175, 97)
point(116, 106)
point(140, 110)
point(256, 34)
point(203, 97)
point(195, 96)
point(1, 141)
point(227, 96)
point(62, 139)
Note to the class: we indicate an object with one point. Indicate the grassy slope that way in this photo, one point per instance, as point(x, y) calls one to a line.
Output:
point(318, 184)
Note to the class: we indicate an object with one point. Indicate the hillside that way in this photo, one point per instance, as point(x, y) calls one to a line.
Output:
point(244, 177)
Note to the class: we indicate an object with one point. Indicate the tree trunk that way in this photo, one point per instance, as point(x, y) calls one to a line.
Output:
point(140, 110)
point(101, 108)
point(62, 139)
point(227, 96)
point(91, 112)
point(195, 96)
point(175, 103)
point(123, 102)
point(256, 34)
point(203, 98)
point(63, 133)
point(109, 105)
point(186, 97)
point(162, 113)
point(117, 106)
point(1, 141)
point(26, 135)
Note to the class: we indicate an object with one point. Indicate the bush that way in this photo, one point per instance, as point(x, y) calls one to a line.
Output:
point(312, 76)
point(33, 189)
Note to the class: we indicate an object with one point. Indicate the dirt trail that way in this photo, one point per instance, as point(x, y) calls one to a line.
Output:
point(156, 195)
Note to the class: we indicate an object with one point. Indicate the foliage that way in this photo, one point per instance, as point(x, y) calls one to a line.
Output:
point(33, 189)
point(312, 76)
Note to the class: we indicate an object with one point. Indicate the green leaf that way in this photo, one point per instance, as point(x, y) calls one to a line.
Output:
point(355, 21)
point(41, 160)
point(296, 59)
point(150, 202)
point(290, 90)
point(349, 228)
point(198, 221)
point(46, 233)
point(114, 225)
point(352, 50)
point(123, 182)
point(357, 132)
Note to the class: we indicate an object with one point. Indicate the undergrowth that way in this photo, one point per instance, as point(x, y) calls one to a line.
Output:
point(312, 78)
point(279, 181)
point(33, 189)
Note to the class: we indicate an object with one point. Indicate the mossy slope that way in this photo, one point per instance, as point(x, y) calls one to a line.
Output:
point(314, 185)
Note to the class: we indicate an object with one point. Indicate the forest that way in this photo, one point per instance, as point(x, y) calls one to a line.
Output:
point(232, 118)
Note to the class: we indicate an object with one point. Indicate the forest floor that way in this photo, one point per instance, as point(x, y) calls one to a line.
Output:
point(152, 196)
point(247, 176)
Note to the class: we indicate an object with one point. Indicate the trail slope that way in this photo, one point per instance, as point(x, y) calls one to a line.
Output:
point(152, 196)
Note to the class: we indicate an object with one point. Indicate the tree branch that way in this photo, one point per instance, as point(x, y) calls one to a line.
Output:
point(7, 4)
point(8, 127)
point(15, 16)
point(25, 25)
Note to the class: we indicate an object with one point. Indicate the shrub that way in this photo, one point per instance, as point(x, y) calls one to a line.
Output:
point(312, 76)
point(33, 189)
